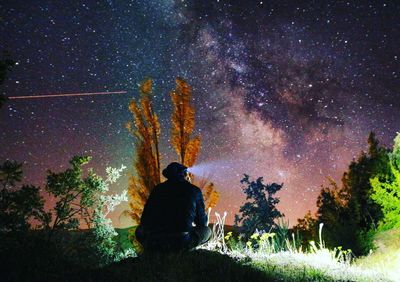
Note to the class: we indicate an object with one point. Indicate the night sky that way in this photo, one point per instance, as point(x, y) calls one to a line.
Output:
point(287, 90)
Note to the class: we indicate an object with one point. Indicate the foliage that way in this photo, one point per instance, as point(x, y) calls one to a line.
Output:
point(210, 195)
point(357, 182)
point(80, 199)
point(145, 128)
point(185, 144)
point(10, 173)
point(74, 194)
point(183, 121)
point(306, 228)
point(348, 212)
point(261, 212)
point(386, 190)
point(19, 206)
point(103, 230)
point(339, 221)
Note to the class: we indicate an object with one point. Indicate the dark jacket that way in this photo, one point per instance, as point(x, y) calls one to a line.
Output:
point(172, 207)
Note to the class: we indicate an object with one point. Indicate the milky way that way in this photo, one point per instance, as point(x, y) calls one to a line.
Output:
point(282, 90)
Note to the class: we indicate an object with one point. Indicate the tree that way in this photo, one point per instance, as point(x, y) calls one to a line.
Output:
point(10, 173)
point(357, 181)
point(348, 212)
point(145, 129)
point(19, 206)
point(210, 196)
point(386, 190)
point(74, 195)
point(83, 201)
point(306, 227)
point(186, 146)
point(79, 199)
point(261, 212)
point(340, 221)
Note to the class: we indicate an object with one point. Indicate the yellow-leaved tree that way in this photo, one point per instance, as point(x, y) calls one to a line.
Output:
point(145, 129)
point(185, 144)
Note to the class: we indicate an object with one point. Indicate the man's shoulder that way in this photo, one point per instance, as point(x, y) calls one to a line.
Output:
point(189, 186)
point(183, 185)
point(158, 188)
point(194, 188)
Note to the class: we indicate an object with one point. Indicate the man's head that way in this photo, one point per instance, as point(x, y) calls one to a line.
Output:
point(175, 171)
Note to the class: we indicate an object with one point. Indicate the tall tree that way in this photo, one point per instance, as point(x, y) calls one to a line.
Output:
point(386, 190)
point(340, 220)
point(357, 181)
point(349, 212)
point(183, 121)
point(185, 144)
point(211, 196)
point(145, 129)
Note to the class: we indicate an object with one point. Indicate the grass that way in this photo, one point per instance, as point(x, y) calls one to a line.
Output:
point(200, 265)
point(214, 262)
point(386, 258)
point(123, 237)
point(274, 261)
point(203, 265)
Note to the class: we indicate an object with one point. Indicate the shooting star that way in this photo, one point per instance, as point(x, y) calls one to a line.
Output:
point(66, 95)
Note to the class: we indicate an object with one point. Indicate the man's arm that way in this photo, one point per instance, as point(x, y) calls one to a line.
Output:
point(143, 219)
point(201, 218)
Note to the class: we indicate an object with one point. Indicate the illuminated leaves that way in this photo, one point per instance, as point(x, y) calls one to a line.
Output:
point(211, 196)
point(145, 128)
point(386, 190)
point(183, 122)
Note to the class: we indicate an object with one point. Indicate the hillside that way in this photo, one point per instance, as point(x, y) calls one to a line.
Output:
point(200, 265)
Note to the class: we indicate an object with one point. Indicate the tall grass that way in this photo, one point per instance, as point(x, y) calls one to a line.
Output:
point(283, 252)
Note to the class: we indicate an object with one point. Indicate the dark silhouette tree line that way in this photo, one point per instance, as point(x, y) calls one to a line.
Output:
point(348, 211)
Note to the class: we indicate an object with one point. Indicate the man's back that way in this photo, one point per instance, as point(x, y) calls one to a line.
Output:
point(173, 206)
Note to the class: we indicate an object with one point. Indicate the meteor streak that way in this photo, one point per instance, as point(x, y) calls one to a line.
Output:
point(66, 95)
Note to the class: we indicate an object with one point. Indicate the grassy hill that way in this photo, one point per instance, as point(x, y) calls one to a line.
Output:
point(200, 265)
point(38, 261)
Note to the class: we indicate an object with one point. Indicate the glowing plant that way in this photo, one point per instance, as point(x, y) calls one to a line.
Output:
point(217, 242)
point(103, 229)
point(386, 191)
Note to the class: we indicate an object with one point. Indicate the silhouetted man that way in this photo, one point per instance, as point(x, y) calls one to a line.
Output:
point(169, 213)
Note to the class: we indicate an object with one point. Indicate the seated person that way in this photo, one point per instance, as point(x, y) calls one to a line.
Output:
point(170, 211)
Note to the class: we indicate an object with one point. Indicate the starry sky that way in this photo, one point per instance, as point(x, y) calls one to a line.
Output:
point(287, 90)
